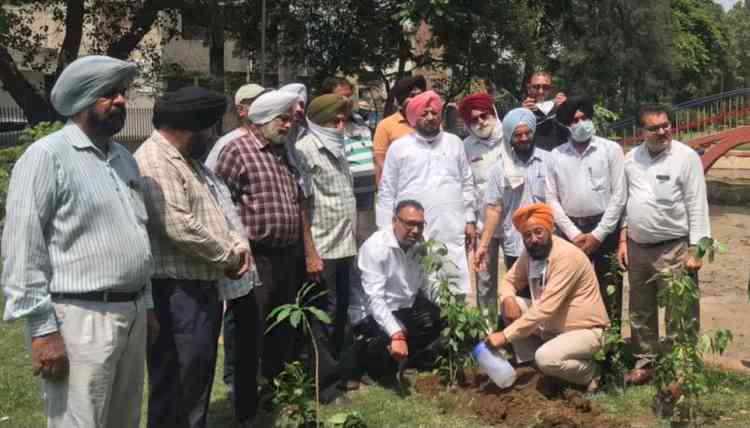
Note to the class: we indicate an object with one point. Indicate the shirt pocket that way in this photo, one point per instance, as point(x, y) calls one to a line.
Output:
point(599, 177)
point(664, 189)
point(139, 207)
point(539, 186)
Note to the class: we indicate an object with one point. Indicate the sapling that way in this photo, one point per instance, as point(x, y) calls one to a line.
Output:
point(680, 372)
point(300, 314)
point(463, 325)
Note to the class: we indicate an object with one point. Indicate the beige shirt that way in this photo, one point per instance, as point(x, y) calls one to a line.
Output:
point(570, 299)
point(190, 235)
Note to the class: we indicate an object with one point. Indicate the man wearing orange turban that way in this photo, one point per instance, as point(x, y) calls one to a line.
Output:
point(430, 166)
point(561, 326)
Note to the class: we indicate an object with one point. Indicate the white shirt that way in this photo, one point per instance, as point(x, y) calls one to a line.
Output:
point(436, 173)
point(587, 184)
point(482, 155)
point(666, 195)
point(391, 278)
point(213, 155)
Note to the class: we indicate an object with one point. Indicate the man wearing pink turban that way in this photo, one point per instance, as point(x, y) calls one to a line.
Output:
point(430, 166)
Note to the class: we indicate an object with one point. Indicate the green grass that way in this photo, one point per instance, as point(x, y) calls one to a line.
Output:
point(728, 404)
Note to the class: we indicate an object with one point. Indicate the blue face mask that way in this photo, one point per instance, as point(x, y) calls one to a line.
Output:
point(582, 131)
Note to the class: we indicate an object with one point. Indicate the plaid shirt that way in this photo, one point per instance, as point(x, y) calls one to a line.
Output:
point(331, 188)
point(264, 187)
point(190, 236)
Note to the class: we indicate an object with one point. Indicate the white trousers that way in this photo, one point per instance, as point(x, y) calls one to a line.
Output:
point(106, 346)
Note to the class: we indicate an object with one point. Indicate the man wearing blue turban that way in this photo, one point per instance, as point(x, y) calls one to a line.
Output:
point(77, 258)
point(515, 181)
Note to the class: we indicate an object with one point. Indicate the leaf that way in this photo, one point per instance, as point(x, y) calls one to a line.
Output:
point(279, 319)
point(320, 315)
point(295, 318)
point(611, 290)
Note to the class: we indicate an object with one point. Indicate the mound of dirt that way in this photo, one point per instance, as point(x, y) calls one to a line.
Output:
point(521, 405)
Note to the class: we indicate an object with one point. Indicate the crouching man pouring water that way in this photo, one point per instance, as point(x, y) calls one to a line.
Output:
point(561, 326)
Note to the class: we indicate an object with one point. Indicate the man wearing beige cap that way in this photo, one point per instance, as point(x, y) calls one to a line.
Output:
point(243, 98)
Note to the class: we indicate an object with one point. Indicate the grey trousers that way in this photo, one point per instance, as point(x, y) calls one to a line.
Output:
point(644, 262)
point(106, 347)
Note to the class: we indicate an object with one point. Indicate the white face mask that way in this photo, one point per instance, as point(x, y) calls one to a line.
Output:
point(582, 131)
point(485, 131)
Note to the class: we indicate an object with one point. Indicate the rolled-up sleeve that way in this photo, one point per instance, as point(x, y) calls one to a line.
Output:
point(27, 269)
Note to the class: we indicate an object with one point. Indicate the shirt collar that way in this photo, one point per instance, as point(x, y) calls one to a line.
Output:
point(80, 140)
point(570, 147)
point(534, 156)
point(389, 238)
point(165, 145)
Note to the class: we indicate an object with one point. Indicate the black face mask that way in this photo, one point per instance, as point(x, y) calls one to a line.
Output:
point(198, 151)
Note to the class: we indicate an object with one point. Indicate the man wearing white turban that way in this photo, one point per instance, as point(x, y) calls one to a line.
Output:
point(77, 258)
point(264, 184)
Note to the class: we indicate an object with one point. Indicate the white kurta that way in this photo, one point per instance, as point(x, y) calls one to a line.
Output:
point(437, 174)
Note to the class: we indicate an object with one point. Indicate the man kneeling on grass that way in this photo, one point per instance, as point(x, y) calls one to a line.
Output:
point(396, 320)
point(561, 325)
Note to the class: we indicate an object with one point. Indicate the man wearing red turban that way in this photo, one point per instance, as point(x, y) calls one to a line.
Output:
point(430, 166)
point(484, 148)
point(561, 326)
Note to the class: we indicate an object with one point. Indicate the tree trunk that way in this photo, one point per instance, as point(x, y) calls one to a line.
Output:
point(73, 35)
point(35, 107)
point(216, 47)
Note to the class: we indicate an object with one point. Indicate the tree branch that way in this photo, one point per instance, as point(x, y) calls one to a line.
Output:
point(35, 107)
point(143, 20)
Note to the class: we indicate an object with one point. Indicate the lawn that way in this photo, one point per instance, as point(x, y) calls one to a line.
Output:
point(21, 407)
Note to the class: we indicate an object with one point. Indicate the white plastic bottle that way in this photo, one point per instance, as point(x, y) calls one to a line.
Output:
point(494, 365)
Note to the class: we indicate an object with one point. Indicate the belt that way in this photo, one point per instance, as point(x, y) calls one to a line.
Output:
point(585, 221)
point(100, 296)
point(656, 244)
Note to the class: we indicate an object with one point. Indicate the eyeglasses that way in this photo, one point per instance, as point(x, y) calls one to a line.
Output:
point(412, 224)
point(655, 128)
point(484, 116)
point(284, 118)
point(544, 87)
point(115, 92)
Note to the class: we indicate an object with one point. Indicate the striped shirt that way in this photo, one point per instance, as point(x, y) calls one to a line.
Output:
point(358, 143)
point(333, 208)
point(76, 223)
point(190, 235)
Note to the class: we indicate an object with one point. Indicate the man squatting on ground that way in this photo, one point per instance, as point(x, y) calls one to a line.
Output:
point(561, 325)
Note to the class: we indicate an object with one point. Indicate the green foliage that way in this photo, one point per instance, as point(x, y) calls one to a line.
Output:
point(299, 315)
point(346, 420)
point(40, 130)
point(681, 376)
point(293, 395)
point(614, 357)
point(464, 325)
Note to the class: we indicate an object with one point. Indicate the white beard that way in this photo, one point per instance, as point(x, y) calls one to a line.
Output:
point(484, 132)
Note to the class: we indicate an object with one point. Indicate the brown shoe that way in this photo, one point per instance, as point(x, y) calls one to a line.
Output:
point(594, 385)
point(639, 376)
point(352, 385)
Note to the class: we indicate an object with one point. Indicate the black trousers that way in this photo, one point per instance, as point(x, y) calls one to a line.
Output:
point(603, 268)
point(423, 325)
point(281, 271)
point(245, 353)
point(330, 337)
point(230, 327)
point(181, 362)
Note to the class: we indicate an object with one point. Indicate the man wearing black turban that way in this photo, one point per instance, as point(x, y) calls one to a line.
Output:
point(194, 246)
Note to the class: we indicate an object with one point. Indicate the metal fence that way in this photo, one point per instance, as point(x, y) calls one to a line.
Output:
point(137, 126)
point(694, 118)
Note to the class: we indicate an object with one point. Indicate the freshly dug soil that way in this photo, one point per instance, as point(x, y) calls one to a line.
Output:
point(521, 405)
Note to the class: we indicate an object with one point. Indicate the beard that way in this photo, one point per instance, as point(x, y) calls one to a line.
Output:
point(108, 123)
point(485, 131)
point(540, 251)
point(428, 130)
point(273, 132)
